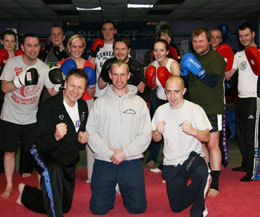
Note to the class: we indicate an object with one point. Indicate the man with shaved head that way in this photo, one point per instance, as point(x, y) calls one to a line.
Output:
point(183, 126)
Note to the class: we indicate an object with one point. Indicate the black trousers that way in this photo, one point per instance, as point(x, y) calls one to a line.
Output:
point(247, 130)
point(62, 179)
point(182, 196)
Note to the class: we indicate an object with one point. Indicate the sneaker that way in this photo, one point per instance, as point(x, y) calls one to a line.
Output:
point(155, 170)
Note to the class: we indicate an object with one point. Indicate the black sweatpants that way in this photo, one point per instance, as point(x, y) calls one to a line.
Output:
point(182, 196)
point(247, 130)
point(62, 178)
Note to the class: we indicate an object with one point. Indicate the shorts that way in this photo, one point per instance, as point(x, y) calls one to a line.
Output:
point(12, 133)
point(216, 122)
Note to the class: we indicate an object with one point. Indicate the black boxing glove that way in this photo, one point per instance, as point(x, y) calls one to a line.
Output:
point(105, 70)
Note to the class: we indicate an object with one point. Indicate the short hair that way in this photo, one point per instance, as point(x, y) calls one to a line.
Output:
point(119, 63)
point(165, 29)
point(198, 31)
point(246, 25)
point(123, 39)
point(77, 37)
point(80, 73)
point(176, 78)
point(108, 21)
point(216, 30)
point(27, 35)
point(57, 26)
point(163, 41)
point(8, 32)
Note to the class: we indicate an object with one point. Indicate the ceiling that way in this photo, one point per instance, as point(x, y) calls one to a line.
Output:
point(116, 10)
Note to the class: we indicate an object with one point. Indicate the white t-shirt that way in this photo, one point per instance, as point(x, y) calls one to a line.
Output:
point(177, 144)
point(160, 93)
point(74, 114)
point(20, 106)
point(247, 80)
point(103, 54)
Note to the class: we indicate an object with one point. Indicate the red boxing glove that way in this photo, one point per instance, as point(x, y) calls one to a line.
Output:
point(151, 76)
point(173, 53)
point(98, 43)
point(253, 56)
point(227, 53)
point(163, 74)
point(3, 55)
point(19, 52)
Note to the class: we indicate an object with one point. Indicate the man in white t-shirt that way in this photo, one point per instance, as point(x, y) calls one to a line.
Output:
point(247, 108)
point(103, 50)
point(183, 126)
point(18, 116)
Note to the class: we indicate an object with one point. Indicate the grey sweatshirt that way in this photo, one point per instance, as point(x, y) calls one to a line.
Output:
point(120, 122)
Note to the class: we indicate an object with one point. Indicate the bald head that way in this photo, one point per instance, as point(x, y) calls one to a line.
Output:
point(175, 78)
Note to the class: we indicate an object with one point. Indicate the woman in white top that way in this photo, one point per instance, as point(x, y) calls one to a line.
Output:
point(162, 61)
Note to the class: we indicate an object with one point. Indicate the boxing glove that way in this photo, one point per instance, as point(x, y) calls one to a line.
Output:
point(163, 74)
point(26, 78)
point(151, 76)
point(18, 52)
point(59, 53)
point(105, 70)
point(191, 64)
point(3, 55)
point(98, 43)
point(173, 53)
point(68, 65)
point(135, 75)
point(92, 79)
point(227, 53)
point(253, 56)
point(56, 77)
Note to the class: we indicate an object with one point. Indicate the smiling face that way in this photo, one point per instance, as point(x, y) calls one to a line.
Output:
point(76, 48)
point(121, 51)
point(216, 38)
point(74, 89)
point(246, 37)
point(31, 48)
point(160, 52)
point(200, 43)
point(119, 75)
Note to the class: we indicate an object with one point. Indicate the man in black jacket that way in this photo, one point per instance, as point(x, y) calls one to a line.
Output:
point(61, 122)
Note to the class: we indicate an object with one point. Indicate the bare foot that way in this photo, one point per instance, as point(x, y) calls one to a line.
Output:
point(20, 189)
point(213, 192)
point(7, 192)
point(25, 175)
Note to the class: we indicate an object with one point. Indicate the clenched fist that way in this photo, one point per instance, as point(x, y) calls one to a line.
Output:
point(83, 137)
point(61, 131)
point(188, 128)
point(160, 127)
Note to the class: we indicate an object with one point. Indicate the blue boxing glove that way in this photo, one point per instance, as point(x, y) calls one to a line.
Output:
point(68, 65)
point(190, 63)
point(92, 79)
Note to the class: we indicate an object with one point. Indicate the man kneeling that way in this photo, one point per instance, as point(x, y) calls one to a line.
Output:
point(183, 125)
point(61, 122)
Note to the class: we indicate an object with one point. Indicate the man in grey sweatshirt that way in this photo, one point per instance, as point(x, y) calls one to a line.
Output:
point(119, 126)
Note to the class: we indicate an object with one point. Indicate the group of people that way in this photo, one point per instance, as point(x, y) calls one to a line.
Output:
point(101, 103)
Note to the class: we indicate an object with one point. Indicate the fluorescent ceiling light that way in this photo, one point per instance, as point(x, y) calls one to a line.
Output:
point(139, 6)
point(89, 9)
